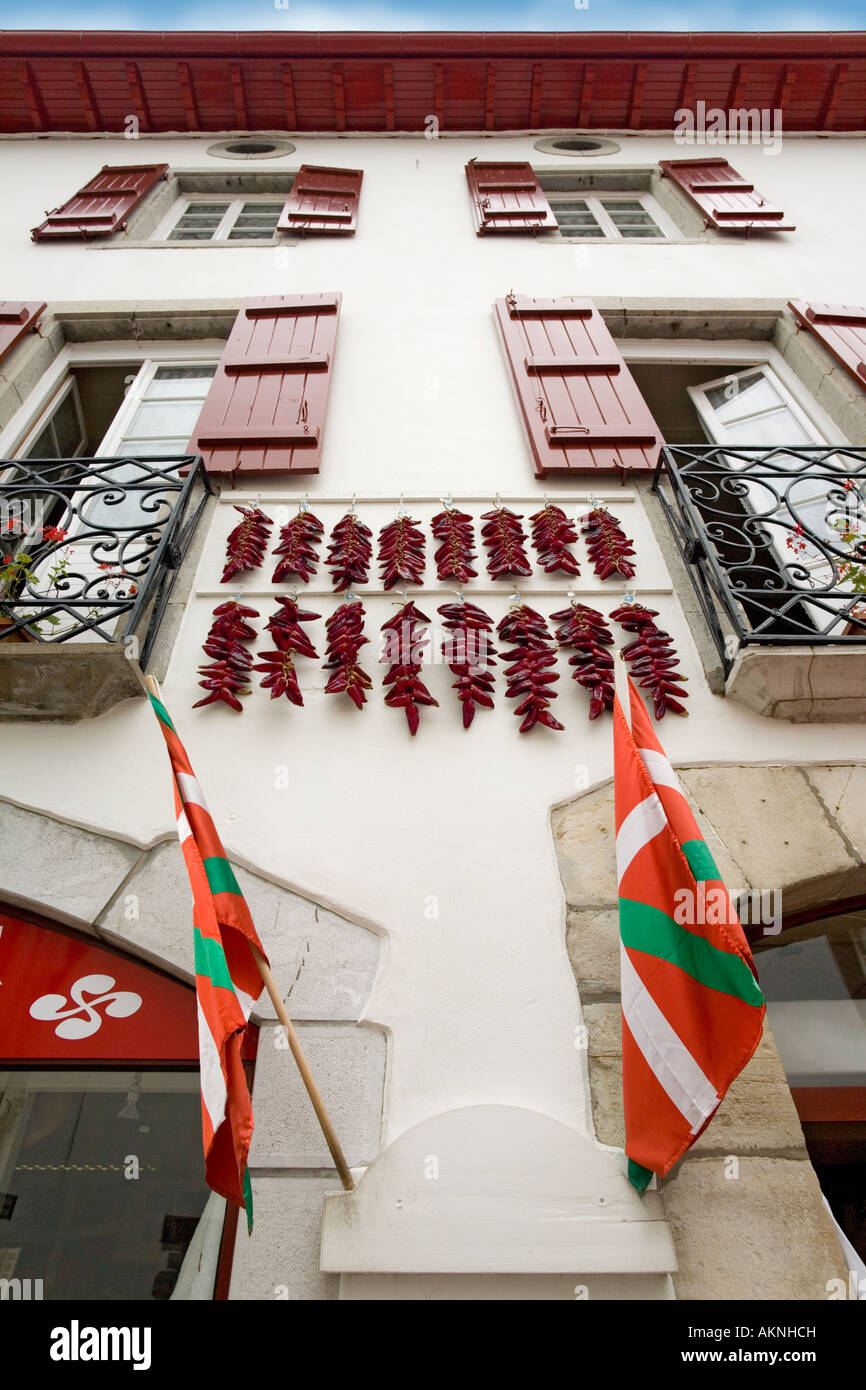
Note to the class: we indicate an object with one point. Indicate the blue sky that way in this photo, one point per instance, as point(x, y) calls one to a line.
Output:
point(431, 14)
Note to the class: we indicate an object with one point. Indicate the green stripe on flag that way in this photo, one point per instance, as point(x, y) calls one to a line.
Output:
point(210, 960)
point(639, 1177)
point(221, 876)
point(701, 862)
point(161, 713)
point(248, 1200)
point(645, 928)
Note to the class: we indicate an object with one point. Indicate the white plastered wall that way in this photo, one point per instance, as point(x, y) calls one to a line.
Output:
point(442, 841)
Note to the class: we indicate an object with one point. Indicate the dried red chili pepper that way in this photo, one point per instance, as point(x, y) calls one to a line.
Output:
point(290, 641)
point(226, 677)
point(531, 666)
point(299, 547)
point(469, 653)
point(406, 640)
point(345, 629)
point(349, 552)
point(455, 556)
point(552, 533)
point(586, 633)
point(504, 538)
point(607, 544)
point(401, 552)
point(652, 659)
point(247, 543)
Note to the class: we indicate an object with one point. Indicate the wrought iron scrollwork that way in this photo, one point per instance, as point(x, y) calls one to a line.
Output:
point(89, 547)
point(774, 538)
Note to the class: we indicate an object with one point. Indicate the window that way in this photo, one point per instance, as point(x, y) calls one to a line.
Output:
point(610, 216)
point(60, 433)
point(752, 408)
point(204, 218)
point(814, 981)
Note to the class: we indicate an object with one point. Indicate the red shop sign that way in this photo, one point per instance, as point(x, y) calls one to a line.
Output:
point(63, 998)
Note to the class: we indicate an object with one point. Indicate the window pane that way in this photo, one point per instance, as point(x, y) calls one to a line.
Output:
point(164, 418)
point(44, 446)
point(181, 381)
point(67, 427)
point(75, 1222)
point(652, 231)
point(180, 234)
point(261, 210)
point(774, 427)
point(745, 395)
point(613, 205)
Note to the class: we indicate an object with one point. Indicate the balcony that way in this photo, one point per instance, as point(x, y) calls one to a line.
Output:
point(775, 543)
point(89, 552)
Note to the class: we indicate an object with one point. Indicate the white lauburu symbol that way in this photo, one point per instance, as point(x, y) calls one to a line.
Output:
point(119, 1004)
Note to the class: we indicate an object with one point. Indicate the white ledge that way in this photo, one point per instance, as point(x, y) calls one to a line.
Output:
point(495, 1189)
point(805, 685)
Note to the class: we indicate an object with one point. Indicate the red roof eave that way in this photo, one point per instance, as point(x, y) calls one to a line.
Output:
point(368, 82)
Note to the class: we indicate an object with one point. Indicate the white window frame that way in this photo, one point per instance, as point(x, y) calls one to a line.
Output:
point(608, 230)
point(735, 352)
point(236, 204)
point(715, 427)
point(68, 388)
point(29, 416)
point(136, 395)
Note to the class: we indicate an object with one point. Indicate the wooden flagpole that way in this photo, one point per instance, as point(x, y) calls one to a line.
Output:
point(313, 1092)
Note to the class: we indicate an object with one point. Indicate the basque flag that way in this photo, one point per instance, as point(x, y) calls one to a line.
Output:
point(692, 1009)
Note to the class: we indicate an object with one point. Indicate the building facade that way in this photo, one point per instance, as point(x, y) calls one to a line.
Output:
point(445, 279)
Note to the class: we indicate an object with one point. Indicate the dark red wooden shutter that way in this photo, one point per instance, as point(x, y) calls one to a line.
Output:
point(508, 198)
point(725, 198)
point(580, 405)
point(842, 330)
point(323, 200)
point(103, 205)
point(265, 412)
point(15, 319)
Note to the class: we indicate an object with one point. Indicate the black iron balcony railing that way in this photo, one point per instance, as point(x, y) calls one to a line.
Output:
point(774, 538)
point(90, 547)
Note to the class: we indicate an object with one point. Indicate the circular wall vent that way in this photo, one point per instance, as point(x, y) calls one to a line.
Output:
point(580, 145)
point(250, 149)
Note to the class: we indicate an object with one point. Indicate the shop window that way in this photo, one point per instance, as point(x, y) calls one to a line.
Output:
point(102, 1191)
point(814, 981)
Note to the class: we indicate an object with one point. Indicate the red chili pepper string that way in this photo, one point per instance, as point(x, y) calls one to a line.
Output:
point(345, 630)
point(552, 534)
point(652, 659)
point(299, 548)
point(456, 555)
point(401, 552)
point(584, 631)
point(504, 538)
point(607, 544)
point(247, 543)
point(226, 677)
point(469, 653)
point(290, 640)
point(531, 670)
point(349, 552)
point(406, 640)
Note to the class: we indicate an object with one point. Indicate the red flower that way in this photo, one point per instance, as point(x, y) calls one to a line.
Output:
point(54, 533)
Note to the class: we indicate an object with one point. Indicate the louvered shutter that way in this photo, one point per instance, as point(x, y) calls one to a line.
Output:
point(842, 330)
point(323, 200)
point(580, 405)
point(508, 198)
point(725, 198)
point(103, 205)
point(15, 319)
point(265, 412)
